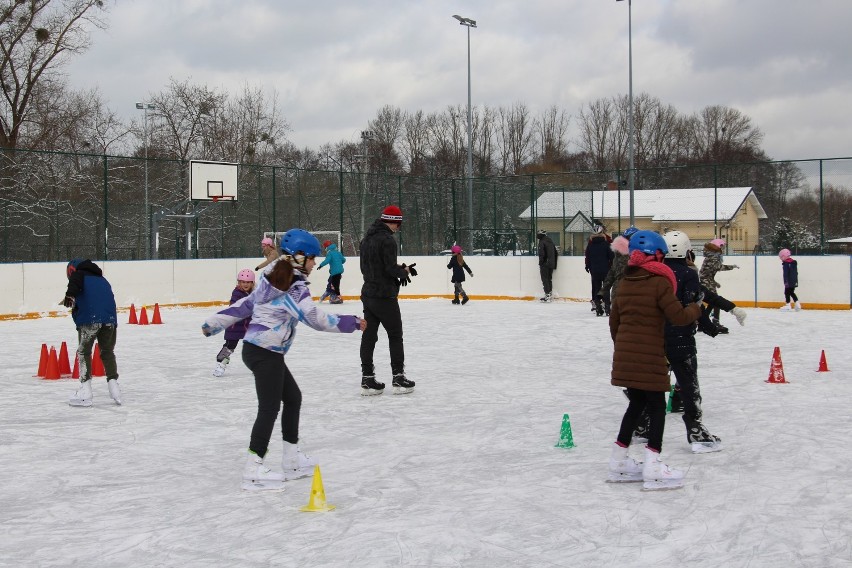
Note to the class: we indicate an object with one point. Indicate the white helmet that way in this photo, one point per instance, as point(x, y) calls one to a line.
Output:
point(678, 243)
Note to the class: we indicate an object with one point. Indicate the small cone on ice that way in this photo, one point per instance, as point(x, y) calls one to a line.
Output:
point(64, 362)
point(317, 501)
point(52, 371)
point(823, 365)
point(75, 374)
point(143, 316)
point(669, 403)
point(776, 368)
point(155, 319)
point(132, 319)
point(42, 362)
point(97, 363)
point(566, 438)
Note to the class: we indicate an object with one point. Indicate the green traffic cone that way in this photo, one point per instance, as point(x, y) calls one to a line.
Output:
point(566, 438)
point(669, 403)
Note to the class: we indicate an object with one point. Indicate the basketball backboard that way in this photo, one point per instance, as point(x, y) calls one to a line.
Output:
point(212, 181)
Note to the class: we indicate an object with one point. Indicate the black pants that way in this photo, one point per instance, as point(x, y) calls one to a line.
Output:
point(790, 293)
point(546, 278)
point(385, 312)
point(334, 283)
point(655, 404)
point(274, 384)
point(106, 335)
point(597, 284)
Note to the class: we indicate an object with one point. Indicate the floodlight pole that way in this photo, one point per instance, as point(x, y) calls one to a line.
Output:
point(468, 23)
point(630, 133)
point(145, 107)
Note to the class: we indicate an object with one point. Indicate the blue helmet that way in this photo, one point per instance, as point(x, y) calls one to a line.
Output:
point(629, 232)
point(648, 242)
point(72, 266)
point(299, 241)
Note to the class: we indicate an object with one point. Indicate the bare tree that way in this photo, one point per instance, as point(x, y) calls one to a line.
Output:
point(36, 38)
point(516, 135)
point(552, 130)
point(599, 129)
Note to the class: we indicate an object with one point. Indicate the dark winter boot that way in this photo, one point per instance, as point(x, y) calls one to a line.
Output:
point(401, 385)
point(456, 301)
point(719, 327)
point(370, 386)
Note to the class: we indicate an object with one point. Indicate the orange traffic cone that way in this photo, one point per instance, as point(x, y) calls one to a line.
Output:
point(75, 374)
point(64, 362)
point(823, 365)
point(776, 368)
point(97, 363)
point(143, 317)
point(52, 371)
point(155, 319)
point(42, 362)
point(132, 319)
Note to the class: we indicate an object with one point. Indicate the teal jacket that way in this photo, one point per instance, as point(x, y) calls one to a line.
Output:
point(334, 259)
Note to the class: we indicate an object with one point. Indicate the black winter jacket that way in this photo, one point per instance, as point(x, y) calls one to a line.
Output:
point(378, 263)
point(599, 256)
point(680, 339)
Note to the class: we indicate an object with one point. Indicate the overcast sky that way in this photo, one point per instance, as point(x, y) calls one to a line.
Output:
point(334, 63)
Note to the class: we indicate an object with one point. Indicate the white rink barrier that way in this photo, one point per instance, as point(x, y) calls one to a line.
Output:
point(35, 289)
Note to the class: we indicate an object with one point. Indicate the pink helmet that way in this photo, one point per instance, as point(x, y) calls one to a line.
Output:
point(267, 241)
point(718, 242)
point(455, 249)
point(245, 275)
point(784, 254)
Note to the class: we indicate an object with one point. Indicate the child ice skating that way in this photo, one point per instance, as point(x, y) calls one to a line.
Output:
point(245, 284)
point(267, 247)
point(458, 265)
point(280, 301)
point(335, 260)
point(709, 267)
point(645, 301)
point(790, 270)
point(92, 303)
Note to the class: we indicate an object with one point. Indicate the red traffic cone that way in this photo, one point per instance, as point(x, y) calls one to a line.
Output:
point(155, 319)
point(97, 364)
point(64, 362)
point(52, 371)
point(75, 374)
point(823, 365)
point(143, 317)
point(776, 368)
point(132, 319)
point(42, 362)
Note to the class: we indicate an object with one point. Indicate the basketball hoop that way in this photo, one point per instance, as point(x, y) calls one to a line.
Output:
point(217, 198)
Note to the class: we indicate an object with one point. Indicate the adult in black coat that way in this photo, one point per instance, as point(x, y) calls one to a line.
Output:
point(547, 259)
point(382, 278)
point(599, 258)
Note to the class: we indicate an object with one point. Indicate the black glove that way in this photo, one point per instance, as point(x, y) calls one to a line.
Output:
point(68, 302)
point(404, 280)
point(588, 269)
point(411, 269)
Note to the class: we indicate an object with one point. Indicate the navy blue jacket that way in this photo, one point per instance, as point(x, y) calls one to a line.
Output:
point(94, 301)
point(791, 273)
point(680, 339)
point(599, 256)
point(458, 273)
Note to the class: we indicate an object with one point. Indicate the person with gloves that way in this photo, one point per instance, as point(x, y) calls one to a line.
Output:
point(334, 259)
point(379, 294)
point(707, 275)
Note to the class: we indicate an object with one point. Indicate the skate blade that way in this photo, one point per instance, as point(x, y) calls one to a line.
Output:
point(300, 473)
point(623, 477)
point(257, 485)
point(638, 440)
point(402, 390)
point(662, 485)
point(80, 403)
point(371, 392)
point(117, 401)
point(706, 447)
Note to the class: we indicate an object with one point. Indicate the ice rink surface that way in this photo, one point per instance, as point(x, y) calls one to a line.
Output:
point(463, 472)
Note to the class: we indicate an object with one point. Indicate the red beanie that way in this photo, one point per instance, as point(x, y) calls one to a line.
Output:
point(325, 244)
point(392, 214)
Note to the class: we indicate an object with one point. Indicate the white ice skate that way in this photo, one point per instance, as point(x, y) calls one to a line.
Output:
point(83, 396)
point(657, 475)
point(220, 367)
point(623, 468)
point(798, 306)
point(707, 447)
point(295, 464)
point(740, 314)
point(114, 391)
point(786, 308)
point(258, 477)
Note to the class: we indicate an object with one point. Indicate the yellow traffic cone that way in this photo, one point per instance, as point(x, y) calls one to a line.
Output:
point(317, 501)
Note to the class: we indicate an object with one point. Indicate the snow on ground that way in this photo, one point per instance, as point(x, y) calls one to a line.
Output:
point(463, 472)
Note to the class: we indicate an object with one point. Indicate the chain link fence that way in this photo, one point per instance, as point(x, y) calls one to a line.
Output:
point(55, 206)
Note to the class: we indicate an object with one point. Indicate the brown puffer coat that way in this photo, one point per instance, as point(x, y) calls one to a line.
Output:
point(637, 322)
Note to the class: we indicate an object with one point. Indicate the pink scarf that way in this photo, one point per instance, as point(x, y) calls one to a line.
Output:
point(651, 264)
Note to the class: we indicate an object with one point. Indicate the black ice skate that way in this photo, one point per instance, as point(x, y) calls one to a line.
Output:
point(401, 385)
point(719, 327)
point(702, 441)
point(371, 387)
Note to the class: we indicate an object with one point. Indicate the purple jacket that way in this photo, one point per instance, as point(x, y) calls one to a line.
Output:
point(238, 330)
